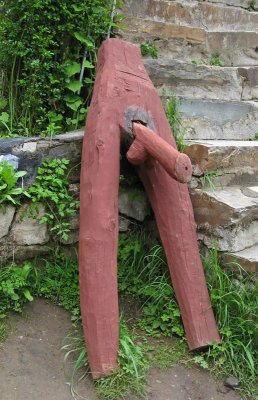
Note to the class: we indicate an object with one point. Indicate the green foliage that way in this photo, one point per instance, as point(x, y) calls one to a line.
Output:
point(47, 58)
point(235, 307)
point(175, 120)
point(131, 376)
point(16, 287)
point(9, 192)
point(207, 179)
point(215, 60)
point(143, 272)
point(51, 188)
point(59, 281)
point(148, 49)
point(3, 331)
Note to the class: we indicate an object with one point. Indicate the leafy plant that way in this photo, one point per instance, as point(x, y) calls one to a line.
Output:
point(9, 192)
point(47, 58)
point(143, 272)
point(207, 179)
point(172, 106)
point(59, 281)
point(51, 188)
point(215, 60)
point(131, 376)
point(16, 287)
point(235, 308)
point(148, 49)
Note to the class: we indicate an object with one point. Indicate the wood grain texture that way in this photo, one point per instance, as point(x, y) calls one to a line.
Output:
point(121, 83)
point(177, 165)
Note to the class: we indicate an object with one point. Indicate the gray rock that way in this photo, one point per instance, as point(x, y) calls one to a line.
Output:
point(198, 81)
point(123, 224)
point(6, 217)
point(11, 159)
point(195, 13)
point(219, 120)
point(226, 217)
point(133, 204)
point(27, 229)
point(232, 382)
point(247, 258)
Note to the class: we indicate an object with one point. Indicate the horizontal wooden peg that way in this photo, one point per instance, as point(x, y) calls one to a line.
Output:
point(176, 164)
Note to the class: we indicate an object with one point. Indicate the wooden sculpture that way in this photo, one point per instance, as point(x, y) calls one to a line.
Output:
point(126, 106)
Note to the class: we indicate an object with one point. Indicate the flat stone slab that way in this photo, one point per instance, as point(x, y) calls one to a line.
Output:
point(231, 157)
point(210, 120)
point(177, 40)
point(226, 218)
point(198, 81)
point(201, 81)
point(195, 13)
point(247, 258)
point(251, 191)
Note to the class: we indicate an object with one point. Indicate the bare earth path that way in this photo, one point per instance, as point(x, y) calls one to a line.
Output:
point(31, 365)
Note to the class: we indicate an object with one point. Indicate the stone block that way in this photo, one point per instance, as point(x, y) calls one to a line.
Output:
point(193, 13)
point(6, 218)
point(207, 119)
point(133, 204)
point(247, 259)
point(27, 229)
point(226, 218)
point(227, 156)
point(195, 81)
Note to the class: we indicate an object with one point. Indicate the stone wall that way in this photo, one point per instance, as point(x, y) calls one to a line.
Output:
point(21, 234)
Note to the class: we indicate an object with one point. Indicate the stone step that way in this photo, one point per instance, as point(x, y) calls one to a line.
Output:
point(212, 17)
point(173, 41)
point(207, 119)
point(203, 81)
point(226, 218)
point(224, 162)
point(247, 259)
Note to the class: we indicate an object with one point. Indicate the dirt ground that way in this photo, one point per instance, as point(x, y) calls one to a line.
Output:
point(31, 364)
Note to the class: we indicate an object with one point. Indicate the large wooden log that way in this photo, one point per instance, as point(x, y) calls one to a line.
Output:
point(123, 93)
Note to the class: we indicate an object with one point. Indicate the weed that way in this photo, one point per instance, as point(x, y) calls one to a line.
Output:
point(207, 179)
point(59, 281)
point(215, 60)
point(143, 272)
point(9, 192)
point(256, 136)
point(47, 58)
point(148, 49)
point(172, 106)
point(51, 188)
point(164, 355)
point(3, 331)
point(16, 287)
point(198, 62)
point(236, 313)
point(131, 376)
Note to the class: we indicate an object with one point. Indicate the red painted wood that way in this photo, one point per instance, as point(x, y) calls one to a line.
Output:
point(177, 165)
point(122, 82)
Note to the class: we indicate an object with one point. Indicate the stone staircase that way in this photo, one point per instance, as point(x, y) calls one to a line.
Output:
point(219, 108)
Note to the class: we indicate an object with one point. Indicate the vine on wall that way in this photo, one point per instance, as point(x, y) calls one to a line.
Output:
point(47, 62)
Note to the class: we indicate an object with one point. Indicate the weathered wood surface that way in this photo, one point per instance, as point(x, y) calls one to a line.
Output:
point(122, 84)
point(177, 165)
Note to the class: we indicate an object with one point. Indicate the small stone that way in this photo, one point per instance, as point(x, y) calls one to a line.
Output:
point(232, 382)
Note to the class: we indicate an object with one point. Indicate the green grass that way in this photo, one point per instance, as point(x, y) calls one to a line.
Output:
point(172, 105)
point(143, 275)
point(131, 376)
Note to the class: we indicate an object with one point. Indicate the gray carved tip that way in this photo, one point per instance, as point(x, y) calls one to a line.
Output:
point(134, 114)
